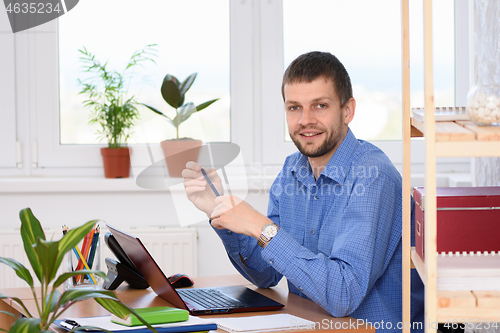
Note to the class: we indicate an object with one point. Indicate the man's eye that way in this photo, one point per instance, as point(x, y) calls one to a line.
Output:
point(293, 108)
point(321, 106)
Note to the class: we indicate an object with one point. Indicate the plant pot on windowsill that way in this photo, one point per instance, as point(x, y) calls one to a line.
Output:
point(116, 162)
point(112, 110)
point(178, 152)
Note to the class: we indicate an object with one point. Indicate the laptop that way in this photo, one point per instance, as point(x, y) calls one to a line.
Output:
point(198, 301)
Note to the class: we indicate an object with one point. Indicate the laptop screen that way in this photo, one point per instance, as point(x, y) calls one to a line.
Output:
point(147, 266)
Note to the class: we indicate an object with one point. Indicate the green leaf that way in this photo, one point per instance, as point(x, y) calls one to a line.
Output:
point(154, 110)
point(206, 104)
point(30, 231)
point(53, 302)
point(186, 108)
point(65, 276)
point(10, 314)
point(115, 307)
point(159, 112)
point(187, 83)
point(170, 91)
point(71, 239)
point(187, 115)
point(26, 325)
point(47, 253)
point(198, 108)
point(21, 271)
point(177, 120)
point(76, 295)
point(121, 310)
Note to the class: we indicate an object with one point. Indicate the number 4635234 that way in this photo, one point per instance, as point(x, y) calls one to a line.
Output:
point(471, 324)
point(33, 8)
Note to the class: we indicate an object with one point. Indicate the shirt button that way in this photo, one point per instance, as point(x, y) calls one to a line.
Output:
point(316, 197)
point(300, 288)
point(229, 232)
point(312, 231)
point(271, 261)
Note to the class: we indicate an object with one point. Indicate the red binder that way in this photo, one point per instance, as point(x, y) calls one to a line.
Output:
point(468, 219)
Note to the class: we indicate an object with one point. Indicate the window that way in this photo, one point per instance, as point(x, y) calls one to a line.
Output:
point(366, 37)
point(188, 39)
point(7, 98)
point(186, 44)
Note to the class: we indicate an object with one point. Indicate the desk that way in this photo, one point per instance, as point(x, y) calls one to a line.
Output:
point(134, 298)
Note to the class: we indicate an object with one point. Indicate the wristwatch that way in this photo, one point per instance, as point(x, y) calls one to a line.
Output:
point(268, 232)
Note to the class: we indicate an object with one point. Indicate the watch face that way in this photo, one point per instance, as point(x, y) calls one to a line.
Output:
point(270, 230)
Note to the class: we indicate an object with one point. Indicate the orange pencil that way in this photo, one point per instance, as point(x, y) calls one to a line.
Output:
point(87, 241)
point(80, 263)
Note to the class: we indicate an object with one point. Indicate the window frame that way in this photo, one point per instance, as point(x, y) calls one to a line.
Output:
point(8, 132)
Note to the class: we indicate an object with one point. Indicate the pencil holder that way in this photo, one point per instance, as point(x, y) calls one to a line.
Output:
point(89, 249)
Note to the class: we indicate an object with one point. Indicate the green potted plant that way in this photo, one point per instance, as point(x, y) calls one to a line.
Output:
point(45, 258)
point(179, 151)
point(111, 108)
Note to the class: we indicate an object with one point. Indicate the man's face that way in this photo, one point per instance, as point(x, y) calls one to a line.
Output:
point(316, 122)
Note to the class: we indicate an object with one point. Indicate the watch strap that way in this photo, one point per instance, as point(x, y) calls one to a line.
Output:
point(263, 240)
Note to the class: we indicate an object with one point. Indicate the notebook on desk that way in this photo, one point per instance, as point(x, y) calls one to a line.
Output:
point(197, 301)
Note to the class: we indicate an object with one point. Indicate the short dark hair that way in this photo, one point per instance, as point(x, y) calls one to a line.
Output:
point(310, 66)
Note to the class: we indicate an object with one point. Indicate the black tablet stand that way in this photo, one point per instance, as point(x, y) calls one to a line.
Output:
point(123, 270)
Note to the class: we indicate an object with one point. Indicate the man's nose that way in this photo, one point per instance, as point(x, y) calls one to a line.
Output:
point(308, 117)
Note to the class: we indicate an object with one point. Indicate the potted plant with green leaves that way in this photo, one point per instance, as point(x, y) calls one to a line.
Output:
point(114, 111)
point(179, 151)
point(45, 258)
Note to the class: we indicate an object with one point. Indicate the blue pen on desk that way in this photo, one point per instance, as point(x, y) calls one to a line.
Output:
point(209, 181)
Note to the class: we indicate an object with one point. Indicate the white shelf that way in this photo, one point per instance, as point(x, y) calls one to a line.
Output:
point(463, 272)
point(462, 304)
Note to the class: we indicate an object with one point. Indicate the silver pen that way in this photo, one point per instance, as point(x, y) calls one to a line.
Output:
point(209, 181)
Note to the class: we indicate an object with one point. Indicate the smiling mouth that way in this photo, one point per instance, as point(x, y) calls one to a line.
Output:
point(308, 135)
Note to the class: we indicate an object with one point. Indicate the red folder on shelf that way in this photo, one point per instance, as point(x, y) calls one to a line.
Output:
point(468, 219)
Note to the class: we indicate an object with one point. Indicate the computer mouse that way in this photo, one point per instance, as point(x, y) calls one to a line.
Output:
point(180, 281)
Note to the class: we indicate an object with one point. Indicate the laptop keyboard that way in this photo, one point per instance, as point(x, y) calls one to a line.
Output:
point(209, 298)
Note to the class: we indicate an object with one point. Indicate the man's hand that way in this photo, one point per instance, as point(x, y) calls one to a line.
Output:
point(236, 215)
point(197, 189)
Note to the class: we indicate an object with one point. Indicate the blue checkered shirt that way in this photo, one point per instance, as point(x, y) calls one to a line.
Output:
point(339, 242)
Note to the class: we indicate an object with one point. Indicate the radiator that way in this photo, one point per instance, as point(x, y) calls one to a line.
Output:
point(174, 250)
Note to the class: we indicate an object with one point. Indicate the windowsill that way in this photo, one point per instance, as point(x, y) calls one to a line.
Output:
point(100, 184)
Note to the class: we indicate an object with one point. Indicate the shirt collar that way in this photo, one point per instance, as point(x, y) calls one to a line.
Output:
point(340, 163)
point(337, 167)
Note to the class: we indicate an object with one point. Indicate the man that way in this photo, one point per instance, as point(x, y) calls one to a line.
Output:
point(333, 227)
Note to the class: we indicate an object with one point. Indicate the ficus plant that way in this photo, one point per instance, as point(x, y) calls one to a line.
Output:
point(112, 109)
point(174, 92)
point(45, 258)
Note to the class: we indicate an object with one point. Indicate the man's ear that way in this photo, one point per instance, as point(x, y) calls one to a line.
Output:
point(349, 110)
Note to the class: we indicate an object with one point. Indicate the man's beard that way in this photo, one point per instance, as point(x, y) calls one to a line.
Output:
point(330, 143)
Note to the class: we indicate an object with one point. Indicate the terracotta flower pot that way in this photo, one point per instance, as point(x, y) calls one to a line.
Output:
point(178, 153)
point(116, 162)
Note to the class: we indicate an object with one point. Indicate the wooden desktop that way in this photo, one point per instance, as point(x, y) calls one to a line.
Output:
point(135, 298)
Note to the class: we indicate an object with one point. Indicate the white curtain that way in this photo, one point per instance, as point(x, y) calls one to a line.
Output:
point(486, 170)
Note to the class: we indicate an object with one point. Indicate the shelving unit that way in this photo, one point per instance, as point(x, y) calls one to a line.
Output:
point(443, 139)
